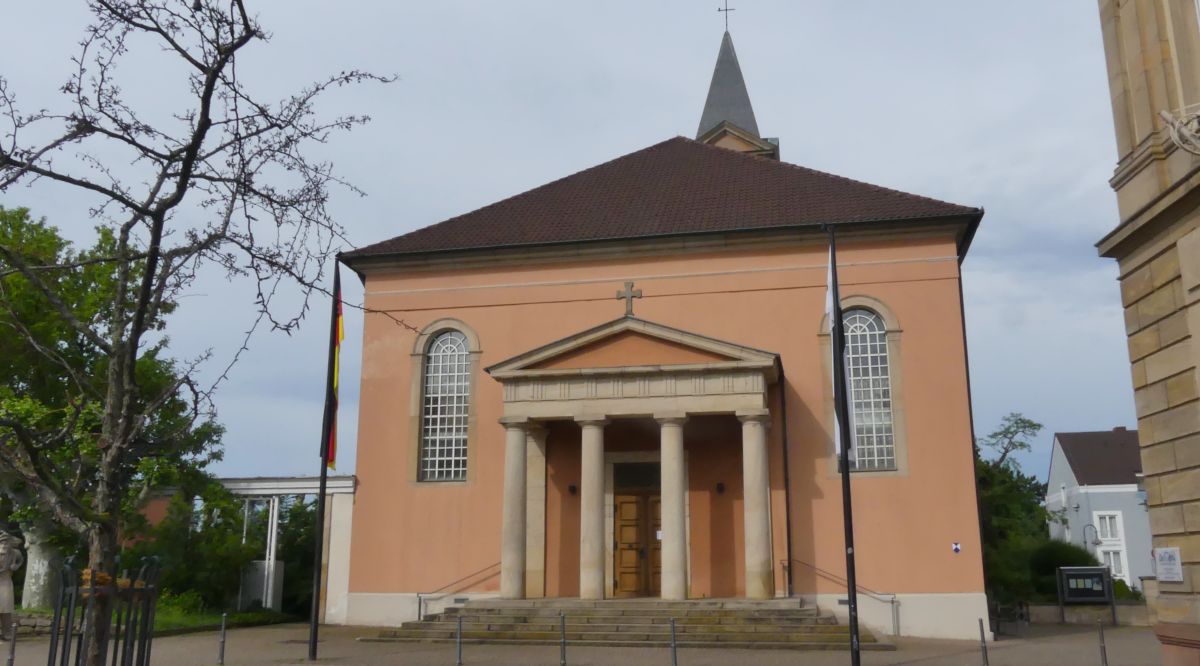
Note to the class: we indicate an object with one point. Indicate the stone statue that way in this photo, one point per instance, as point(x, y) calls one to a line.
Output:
point(11, 559)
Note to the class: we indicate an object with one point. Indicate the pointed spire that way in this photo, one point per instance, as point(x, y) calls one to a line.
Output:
point(727, 96)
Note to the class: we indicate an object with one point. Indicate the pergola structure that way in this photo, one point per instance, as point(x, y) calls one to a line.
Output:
point(271, 490)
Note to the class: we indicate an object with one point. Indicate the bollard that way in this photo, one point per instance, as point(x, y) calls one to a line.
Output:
point(458, 657)
point(221, 644)
point(1103, 650)
point(674, 656)
point(983, 642)
point(562, 639)
point(12, 643)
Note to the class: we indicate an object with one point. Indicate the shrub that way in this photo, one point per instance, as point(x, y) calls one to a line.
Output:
point(1125, 593)
point(1045, 560)
point(184, 603)
point(200, 545)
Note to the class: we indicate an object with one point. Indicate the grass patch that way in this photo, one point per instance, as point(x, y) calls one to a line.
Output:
point(170, 619)
point(174, 620)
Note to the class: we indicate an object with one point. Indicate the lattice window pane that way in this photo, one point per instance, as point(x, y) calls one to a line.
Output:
point(444, 409)
point(1109, 529)
point(870, 390)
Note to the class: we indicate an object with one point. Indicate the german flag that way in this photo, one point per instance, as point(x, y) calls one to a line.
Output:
point(336, 333)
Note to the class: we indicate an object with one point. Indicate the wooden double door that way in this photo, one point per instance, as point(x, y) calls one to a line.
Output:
point(637, 547)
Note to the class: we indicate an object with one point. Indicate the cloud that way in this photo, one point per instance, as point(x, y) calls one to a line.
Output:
point(1001, 105)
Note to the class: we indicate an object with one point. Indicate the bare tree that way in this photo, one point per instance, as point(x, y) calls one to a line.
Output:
point(224, 181)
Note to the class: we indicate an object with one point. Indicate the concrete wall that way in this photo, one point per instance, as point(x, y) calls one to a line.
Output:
point(1131, 615)
point(924, 615)
point(339, 526)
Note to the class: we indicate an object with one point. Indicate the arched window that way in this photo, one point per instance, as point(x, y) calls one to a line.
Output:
point(445, 402)
point(870, 389)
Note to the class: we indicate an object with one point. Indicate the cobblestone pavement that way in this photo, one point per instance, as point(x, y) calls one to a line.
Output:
point(287, 644)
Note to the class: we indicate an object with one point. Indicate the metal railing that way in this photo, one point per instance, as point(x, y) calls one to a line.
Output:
point(132, 602)
point(445, 591)
point(888, 598)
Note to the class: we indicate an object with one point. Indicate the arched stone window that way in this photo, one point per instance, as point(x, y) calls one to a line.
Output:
point(870, 389)
point(445, 407)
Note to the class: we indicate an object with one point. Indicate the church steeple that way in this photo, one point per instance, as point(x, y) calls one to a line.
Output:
point(728, 100)
point(728, 118)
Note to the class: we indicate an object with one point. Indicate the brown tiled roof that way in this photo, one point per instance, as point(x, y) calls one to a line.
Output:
point(679, 186)
point(1102, 458)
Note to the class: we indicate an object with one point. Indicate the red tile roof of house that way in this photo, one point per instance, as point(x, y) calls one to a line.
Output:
point(676, 187)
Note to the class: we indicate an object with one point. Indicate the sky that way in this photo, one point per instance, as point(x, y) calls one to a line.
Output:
point(998, 105)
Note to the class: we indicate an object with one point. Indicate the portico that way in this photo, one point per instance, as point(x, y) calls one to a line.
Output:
point(630, 369)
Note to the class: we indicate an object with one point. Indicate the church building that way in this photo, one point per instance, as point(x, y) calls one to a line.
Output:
point(619, 385)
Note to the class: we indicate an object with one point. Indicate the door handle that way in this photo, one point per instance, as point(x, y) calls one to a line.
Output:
point(642, 553)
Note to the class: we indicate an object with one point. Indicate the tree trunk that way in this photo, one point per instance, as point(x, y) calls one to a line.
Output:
point(102, 558)
point(43, 565)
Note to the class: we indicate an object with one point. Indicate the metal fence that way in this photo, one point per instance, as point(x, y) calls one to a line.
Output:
point(131, 630)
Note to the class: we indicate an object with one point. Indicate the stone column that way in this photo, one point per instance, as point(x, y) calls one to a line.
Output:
point(591, 508)
point(674, 499)
point(512, 529)
point(756, 498)
point(535, 512)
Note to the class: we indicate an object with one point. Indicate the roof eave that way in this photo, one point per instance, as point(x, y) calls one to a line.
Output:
point(964, 243)
point(971, 218)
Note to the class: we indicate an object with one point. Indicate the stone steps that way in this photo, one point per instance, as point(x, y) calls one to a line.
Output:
point(680, 629)
point(642, 604)
point(660, 621)
point(626, 635)
point(658, 615)
point(729, 645)
point(780, 623)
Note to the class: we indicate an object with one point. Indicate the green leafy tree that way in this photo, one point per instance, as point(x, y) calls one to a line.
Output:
point(51, 383)
point(297, 534)
point(200, 543)
point(1012, 518)
point(1012, 436)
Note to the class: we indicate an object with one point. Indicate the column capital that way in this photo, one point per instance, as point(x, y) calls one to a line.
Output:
point(592, 420)
point(515, 422)
point(762, 416)
point(536, 430)
point(671, 418)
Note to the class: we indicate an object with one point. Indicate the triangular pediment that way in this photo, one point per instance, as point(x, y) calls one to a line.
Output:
point(630, 348)
point(630, 344)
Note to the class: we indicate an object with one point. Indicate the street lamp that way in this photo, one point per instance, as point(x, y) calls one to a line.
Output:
point(1096, 541)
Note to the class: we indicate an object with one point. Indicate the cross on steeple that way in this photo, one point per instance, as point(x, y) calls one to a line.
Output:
point(627, 295)
point(726, 13)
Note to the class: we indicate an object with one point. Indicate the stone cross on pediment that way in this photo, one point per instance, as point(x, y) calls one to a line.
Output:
point(627, 295)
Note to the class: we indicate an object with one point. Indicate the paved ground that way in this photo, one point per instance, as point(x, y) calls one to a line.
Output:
point(287, 644)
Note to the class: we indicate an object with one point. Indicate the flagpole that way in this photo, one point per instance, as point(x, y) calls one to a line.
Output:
point(327, 426)
point(842, 411)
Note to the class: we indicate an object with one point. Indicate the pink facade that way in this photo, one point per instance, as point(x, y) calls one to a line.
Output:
point(412, 536)
point(521, 433)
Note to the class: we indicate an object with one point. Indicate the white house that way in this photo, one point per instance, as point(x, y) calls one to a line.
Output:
point(1094, 499)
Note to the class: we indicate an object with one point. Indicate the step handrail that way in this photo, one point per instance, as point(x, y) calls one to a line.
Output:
point(421, 596)
point(889, 598)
